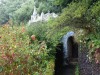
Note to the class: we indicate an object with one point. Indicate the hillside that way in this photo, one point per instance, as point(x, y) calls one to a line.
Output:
point(31, 49)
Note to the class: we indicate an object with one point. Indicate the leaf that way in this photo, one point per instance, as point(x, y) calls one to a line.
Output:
point(1, 69)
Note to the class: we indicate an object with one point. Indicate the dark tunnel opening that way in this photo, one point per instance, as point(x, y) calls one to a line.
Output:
point(72, 47)
point(73, 53)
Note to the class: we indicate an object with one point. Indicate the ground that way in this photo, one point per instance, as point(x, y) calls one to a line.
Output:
point(86, 67)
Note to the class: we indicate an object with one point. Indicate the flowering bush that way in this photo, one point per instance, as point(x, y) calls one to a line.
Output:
point(18, 56)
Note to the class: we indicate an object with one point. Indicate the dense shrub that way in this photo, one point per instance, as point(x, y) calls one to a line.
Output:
point(46, 31)
point(93, 44)
point(39, 29)
point(19, 56)
point(7, 9)
point(80, 14)
point(23, 13)
point(42, 30)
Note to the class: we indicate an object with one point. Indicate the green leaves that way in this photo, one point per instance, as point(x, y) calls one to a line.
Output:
point(24, 12)
point(93, 45)
point(96, 9)
point(7, 8)
point(1, 68)
point(58, 2)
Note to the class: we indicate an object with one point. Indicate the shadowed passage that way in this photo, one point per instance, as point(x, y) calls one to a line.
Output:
point(66, 56)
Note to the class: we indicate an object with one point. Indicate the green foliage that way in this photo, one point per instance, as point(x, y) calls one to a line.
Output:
point(47, 32)
point(73, 11)
point(58, 2)
point(39, 29)
point(42, 31)
point(21, 10)
point(93, 44)
point(96, 14)
point(81, 14)
point(61, 3)
point(35, 55)
point(77, 70)
point(43, 7)
point(96, 9)
point(7, 7)
point(23, 14)
point(19, 56)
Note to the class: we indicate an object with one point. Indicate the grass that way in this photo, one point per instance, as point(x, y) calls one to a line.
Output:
point(77, 70)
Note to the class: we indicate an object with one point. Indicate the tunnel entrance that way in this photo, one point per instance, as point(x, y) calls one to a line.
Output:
point(72, 47)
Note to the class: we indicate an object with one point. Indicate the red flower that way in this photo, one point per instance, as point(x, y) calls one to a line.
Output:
point(33, 37)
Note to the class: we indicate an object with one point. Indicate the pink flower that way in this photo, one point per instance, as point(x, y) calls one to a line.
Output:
point(33, 37)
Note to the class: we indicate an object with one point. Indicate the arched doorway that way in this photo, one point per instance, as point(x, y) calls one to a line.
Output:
point(72, 48)
point(72, 53)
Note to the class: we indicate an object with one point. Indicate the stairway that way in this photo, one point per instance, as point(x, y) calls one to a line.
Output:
point(69, 69)
point(74, 61)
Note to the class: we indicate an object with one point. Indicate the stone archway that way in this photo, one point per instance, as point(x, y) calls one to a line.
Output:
point(72, 53)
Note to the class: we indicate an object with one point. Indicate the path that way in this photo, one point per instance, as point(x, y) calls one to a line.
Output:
point(87, 67)
point(67, 70)
point(59, 68)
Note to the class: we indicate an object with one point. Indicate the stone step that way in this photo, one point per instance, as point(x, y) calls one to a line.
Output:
point(74, 61)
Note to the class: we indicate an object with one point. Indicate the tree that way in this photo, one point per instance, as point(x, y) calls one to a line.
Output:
point(7, 7)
